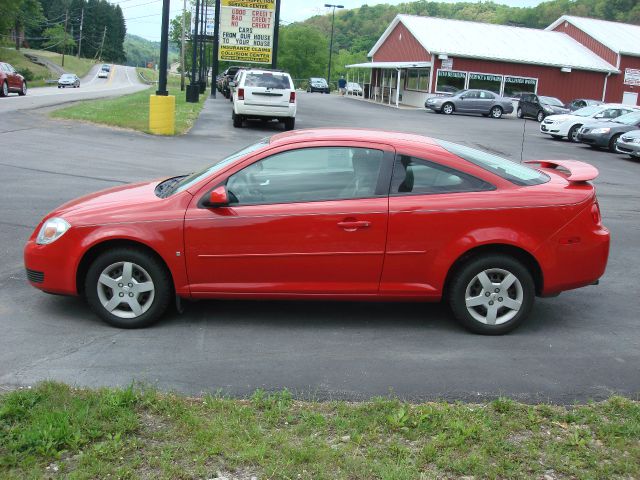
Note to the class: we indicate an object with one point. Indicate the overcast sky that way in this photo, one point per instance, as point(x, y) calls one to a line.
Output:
point(143, 16)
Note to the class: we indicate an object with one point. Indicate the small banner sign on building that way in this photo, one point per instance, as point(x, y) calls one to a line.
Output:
point(246, 30)
point(631, 76)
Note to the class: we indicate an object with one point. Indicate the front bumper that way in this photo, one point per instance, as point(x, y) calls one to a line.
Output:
point(52, 268)
point(595, 140)
point(629, 148)
point(554, 129)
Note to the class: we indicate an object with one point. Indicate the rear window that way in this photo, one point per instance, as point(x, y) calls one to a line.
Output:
point(267, 80)
point(511, 171)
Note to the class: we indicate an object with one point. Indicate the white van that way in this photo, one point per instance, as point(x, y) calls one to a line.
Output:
point(266, 95)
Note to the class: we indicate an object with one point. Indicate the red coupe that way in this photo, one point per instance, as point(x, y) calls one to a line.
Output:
point(11, 81)
point(343, 214)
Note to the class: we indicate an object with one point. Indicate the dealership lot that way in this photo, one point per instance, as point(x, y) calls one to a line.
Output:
point(583, 344)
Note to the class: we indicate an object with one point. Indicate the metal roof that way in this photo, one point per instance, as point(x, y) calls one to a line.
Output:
point(390, 65)
point(620, 37)
point(498, 43)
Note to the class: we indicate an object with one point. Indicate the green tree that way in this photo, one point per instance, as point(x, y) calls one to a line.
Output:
point(303, 51)
point(57, 39)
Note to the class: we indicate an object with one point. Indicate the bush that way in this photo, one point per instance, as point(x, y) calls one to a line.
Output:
point(26, 73)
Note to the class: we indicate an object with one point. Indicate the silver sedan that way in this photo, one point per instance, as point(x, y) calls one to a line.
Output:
point(629, 143)
point(471, 101)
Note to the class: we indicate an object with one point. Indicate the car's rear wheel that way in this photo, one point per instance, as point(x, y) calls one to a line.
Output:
point(290, 123)
point(519, 112)
point(496, 112)
point(491, 294)
point(612, 143)
point(4, 91)
point(447, 108)
point(128, 288)
point(23, 90)
point(573, 134)
point(237, 120)
point(540, 116)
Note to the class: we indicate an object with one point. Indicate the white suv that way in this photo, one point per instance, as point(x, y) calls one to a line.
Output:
point(265, 95)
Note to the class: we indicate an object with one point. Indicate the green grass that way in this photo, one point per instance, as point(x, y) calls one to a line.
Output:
point(72, 64)
point(132, 111)
point(138, 433)
point(19, 62)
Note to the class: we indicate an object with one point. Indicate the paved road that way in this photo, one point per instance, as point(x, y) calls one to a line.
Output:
point(121, 80)
point(583, 344)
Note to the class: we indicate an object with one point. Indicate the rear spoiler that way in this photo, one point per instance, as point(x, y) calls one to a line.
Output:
point(578, 171)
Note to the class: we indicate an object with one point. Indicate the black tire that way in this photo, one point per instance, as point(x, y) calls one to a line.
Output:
point(23, 90)
point(237, 120)
point(556, 137)
point(157, 271)
point(519, 113)
point(290, 123)
point(496, 112)
point(448, 108)
point(540, 116)
point(485, 114)
point(463, 278)
point(4, 91)
point(573, 134)
point(612, 143)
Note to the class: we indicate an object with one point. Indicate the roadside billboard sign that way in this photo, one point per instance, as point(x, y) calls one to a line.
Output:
point(246, 30)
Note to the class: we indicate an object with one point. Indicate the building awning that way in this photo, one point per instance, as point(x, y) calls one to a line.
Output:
point(390, 65)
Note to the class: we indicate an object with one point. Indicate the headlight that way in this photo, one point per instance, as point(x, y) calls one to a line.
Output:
point(635, 140)
point(547, 109)
point(52, 230)
point(600, 130)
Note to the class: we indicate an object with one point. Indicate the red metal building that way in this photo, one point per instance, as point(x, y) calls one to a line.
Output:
point(417, 57)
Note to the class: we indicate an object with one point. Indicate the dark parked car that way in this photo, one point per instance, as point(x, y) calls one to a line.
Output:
point(605, 133)
point(317, 85)
point(578, 103)
point(69, 80)
point(471, 101)
point(539, 106)
point(11, 81)
point(227, 76)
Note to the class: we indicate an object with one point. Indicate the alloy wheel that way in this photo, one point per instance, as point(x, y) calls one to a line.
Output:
point(494, 296)
point(125, 290)
point(5, 89)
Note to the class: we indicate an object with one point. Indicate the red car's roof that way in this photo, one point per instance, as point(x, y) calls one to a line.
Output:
point(358, 134)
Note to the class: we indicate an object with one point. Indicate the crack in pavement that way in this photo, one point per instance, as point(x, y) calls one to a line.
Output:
point(111, 180)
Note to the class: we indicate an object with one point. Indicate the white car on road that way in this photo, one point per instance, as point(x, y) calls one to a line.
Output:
point(567, 125)
point(354, 88)
point(265, 95)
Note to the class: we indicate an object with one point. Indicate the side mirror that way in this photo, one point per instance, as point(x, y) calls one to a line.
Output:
point(217, 197)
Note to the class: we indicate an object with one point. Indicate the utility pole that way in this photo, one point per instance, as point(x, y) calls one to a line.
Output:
point(276, 30)
point(202, 83)
point(64, 43)
point(80, 39)
point(104, 34)
point(214, 64)
point(182, 65)
point(333, 20)
point(193, 89)
point(164, 51)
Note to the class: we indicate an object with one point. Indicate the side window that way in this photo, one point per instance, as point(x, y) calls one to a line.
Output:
point(416, 176)
point(470, 95)
point(487, 95)
point(309, 175)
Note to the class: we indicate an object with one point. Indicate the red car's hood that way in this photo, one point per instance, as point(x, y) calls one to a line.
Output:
point(132, 202)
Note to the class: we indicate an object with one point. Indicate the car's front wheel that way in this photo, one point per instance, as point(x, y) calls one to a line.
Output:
point(23, 90)
point(612, 143)
point(4, 91)
point(492, 294)
point(128, 288)
point(573, 134)
point(519, 112)
point(496, 112)
point(447, 108)
point(540, 116)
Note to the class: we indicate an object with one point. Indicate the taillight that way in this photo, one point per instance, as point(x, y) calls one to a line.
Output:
point(241, 94)
point(595, 213)
point(292, 97)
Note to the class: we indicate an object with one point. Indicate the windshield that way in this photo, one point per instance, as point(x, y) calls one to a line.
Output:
point(551, 101)
point(629, 118)
point(66, 77)
point(511, 171)
point(587, 111)
point(194, 178)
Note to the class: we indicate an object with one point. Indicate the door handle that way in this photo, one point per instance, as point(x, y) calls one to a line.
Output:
point(352, 225)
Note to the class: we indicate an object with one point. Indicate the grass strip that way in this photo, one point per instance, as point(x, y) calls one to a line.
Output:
point(131, 111)
point(53, 429)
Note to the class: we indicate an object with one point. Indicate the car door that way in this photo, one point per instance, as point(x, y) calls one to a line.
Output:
point(485, 101)
point(10, 76)
point(468, 102)
point(303, 221)
point(431, 206)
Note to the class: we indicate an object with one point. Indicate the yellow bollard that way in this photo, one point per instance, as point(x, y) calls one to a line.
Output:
point(162, 114)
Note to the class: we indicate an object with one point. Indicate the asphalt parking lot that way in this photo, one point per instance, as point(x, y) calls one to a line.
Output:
point(584, 344)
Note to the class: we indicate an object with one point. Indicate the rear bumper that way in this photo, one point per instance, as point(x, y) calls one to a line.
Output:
point(260, 111)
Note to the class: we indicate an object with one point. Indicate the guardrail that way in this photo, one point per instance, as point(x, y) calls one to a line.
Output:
point(146, 80)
